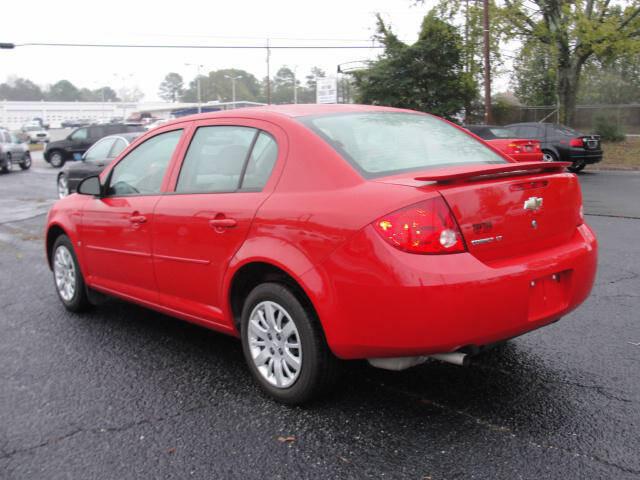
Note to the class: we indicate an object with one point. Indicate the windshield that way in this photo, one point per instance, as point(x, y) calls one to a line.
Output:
point(383, 143)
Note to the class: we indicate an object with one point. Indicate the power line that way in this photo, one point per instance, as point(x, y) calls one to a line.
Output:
point(241, 47)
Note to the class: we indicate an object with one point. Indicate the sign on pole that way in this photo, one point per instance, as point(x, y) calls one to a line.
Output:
point(327, 90)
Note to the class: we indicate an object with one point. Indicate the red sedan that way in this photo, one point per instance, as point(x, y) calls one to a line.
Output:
point(520, 149)
point(317, 233)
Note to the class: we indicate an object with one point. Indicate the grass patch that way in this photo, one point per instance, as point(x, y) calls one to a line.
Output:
point(36, 146)
point(622, 154)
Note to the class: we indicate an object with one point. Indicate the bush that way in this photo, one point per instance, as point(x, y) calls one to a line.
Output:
point(608, 129)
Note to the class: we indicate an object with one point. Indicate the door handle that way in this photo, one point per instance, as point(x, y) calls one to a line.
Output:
point(137, 219)
point(223, 223)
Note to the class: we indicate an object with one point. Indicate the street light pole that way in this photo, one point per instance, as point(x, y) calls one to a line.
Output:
point(233, 87)
point(295, 87)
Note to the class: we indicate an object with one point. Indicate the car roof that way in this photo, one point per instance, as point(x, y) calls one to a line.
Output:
point(291, 111)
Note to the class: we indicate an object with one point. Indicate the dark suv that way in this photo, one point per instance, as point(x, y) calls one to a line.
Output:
point(79, 141)
point(561, 143)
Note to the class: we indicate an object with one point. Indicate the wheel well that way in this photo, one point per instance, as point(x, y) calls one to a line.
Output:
point(253, 274)
point(52, 235)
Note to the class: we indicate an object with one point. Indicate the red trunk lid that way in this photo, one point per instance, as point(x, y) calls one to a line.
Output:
point(506, 214)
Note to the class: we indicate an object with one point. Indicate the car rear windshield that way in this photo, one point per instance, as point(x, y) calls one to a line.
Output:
point(383, 143)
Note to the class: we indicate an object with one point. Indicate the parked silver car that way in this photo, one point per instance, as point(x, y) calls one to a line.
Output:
point(13, 151)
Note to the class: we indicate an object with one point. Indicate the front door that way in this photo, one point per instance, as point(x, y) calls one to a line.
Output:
point(197, 229)
point(116, 228)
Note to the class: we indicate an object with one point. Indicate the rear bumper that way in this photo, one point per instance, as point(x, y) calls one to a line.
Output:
point(586, 156)
point(376, 301)
point(527, 157)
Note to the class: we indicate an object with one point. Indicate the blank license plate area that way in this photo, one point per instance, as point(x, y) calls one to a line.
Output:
point(548, 294)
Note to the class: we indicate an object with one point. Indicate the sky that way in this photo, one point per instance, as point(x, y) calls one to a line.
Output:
point(190, 22)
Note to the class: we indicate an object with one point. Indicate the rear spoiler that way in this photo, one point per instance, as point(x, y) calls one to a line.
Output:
point(467, 172)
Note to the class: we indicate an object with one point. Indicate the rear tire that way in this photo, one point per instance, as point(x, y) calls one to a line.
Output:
point(26, 162)
point(292, 370)
point(577, 166)
point(67, 276)
point(56, 159)
point(7, 164)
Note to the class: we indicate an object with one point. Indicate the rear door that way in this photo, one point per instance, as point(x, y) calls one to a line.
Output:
point(226, 174)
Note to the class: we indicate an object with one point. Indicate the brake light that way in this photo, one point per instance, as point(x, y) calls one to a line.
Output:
point(427, 227)
point(576, 142)
point(514, 148)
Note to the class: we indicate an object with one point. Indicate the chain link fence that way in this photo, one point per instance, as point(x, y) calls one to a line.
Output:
point(625, 117)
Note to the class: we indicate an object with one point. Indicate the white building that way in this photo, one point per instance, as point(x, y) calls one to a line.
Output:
point(14, 114)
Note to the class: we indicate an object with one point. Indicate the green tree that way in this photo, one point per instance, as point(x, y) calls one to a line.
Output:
point(217, 85)
point(20, 89)
point(614, 81)
point(171, 87)
point(575, 32)
point(63, 91)
point(427, 75)
point(534, 74)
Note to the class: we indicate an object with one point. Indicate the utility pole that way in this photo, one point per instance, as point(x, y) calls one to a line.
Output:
point(487, 66)
point(268, 73)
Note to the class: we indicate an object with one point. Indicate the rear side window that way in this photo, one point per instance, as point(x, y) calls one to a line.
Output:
point(383, 143)
point(118, 146)
point(263, 158)
point(529, 131)
point(100, 150)
point(215, 160)
point(141, 172)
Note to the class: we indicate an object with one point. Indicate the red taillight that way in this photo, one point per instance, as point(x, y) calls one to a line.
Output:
point(576, 142)
point(514, 148)
point(427, 227)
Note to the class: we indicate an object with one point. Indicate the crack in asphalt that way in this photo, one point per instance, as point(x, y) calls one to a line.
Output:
point(609, 215)
point(98, 430)
point(505, 430)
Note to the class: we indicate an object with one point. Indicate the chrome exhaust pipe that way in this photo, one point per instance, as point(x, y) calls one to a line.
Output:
point(456, 358)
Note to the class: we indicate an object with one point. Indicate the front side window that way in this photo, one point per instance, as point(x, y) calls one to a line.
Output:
point(99, 151)
point(215, 159)
point(141, 172)
point(79, 135)
point(383, 143)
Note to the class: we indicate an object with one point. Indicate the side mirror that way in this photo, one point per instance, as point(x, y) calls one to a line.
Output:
point(90, 186)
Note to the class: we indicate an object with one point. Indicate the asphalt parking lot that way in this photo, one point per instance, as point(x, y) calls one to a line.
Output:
point(123, 392)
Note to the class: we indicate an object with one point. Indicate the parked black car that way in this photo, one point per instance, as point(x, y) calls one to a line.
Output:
point(561, 143)
point(79, 141)
point(93, 162)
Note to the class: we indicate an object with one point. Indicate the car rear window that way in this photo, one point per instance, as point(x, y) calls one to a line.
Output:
point(384, 143)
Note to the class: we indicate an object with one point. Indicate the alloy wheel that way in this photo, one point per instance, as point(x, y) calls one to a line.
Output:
point(64, 270)
point(274, 343)
point(547, 157)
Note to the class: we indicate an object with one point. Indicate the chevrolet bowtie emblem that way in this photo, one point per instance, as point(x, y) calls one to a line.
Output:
point(533, 203)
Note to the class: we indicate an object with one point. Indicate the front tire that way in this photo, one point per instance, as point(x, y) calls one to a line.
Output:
point(549, 156)
point(63, 186)
point(284, 345)
point(67, 276)
point(56, 159)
